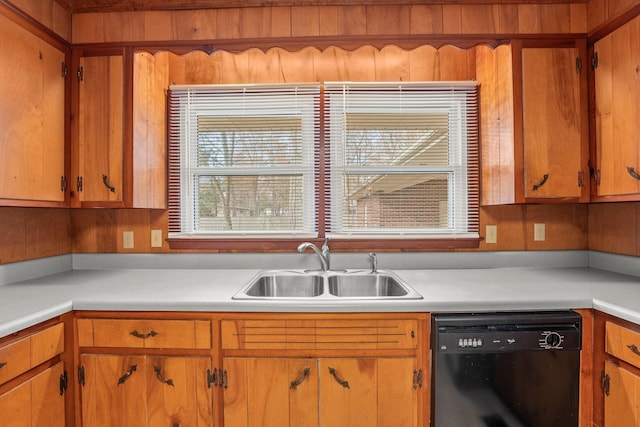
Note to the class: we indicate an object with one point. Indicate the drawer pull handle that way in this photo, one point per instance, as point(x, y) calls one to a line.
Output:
point(339, 380)
point(137, 334)
point(633, 172)
point(105, 181)
point(303, 377)
point(162, 379)
point(127, 374)
point(634, 349)
point(545, 177)
point(3, 364)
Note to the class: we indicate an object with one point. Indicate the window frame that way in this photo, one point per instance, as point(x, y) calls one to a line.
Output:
point(280, 242)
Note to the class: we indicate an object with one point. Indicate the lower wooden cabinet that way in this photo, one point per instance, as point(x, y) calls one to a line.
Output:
point(37, 402)
point(354, 392)
point(142, 390)
point(621, 398)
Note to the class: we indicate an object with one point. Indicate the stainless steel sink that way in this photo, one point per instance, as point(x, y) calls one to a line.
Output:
point(366, 285)
point(330, 285)
point(285, 285)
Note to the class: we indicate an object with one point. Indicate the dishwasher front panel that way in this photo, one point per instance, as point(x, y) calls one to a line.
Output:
point(528, 377)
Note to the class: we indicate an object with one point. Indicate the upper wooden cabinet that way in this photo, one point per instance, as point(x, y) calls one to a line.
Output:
point(534, 123)
point(100, 129)
point(32, 118)
point(617, 113)
point(118, 130)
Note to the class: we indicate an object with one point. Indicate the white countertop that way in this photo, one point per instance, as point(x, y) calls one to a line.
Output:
point(28, 302)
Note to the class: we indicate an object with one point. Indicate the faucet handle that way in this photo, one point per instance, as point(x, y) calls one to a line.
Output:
point(374, 262)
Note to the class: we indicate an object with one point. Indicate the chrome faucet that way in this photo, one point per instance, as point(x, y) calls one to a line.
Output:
point(323, 255)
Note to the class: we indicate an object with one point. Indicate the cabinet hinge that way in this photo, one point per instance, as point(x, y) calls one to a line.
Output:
point(596, 176)
point(63, 183)
point(223, 380)
point(417, 378)
point(580, 179)
point(578, 65)
point(594, 60)
point(64, 70)
point(63, 382)
point(80, 374)
point(79, 184)
point(605, 380)
point(212, 377)
point(80, 73)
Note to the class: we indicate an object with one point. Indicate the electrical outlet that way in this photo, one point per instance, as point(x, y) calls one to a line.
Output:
point(491, 234)
point(539, 232)
point(156, 238)
point(127, 239)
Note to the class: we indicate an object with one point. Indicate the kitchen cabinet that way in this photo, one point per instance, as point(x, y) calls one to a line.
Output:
point(621, 376)
point(324, 372)
point(616, 65)
point(138, 390)
point(145, 371)
point(118, 133)
point(31, 390)
point(32, 118)
point(534, 123)
point(99, 143)
point(349, 391)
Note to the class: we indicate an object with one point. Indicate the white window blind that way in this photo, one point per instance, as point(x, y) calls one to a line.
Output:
point(243, 159)
point(403, 159)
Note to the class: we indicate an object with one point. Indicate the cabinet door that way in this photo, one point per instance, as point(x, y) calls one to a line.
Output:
point(552, 123)
point(114, 391)
point(271, 392)
point(47, 403)
point(617, 111)
point(32, 116)
point(100, 129)
point(621, 403)
point(363, 392)
point(177, 391)
point(36, 402)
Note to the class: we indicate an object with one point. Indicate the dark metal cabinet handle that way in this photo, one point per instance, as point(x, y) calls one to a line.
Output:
point(301, 379)
point(105, 181)
point(545, 177)
point(634, 349)
point(161, 378)
point(137, 334)
point(127, 374)
point(633, 173)
point(339, 380)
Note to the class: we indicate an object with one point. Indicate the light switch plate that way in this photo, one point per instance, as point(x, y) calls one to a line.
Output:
point(156, 238)
point(539, 232)
point(491, 234)
point(127, 239)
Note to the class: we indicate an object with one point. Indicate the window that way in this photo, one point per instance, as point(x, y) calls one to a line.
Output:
point(243, 159)
point(383, 160)
point(403, 158)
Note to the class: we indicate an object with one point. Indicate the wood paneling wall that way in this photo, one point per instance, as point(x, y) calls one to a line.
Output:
point(49, 13)
point(29, 233)
point(310, 21)
point(599, 12)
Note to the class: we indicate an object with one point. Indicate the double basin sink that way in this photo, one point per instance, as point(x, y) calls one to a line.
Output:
point(336, 285)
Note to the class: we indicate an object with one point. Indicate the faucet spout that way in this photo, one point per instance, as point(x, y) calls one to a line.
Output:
point(323, 255)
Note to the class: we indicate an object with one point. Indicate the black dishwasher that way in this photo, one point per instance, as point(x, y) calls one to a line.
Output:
point(506, 369)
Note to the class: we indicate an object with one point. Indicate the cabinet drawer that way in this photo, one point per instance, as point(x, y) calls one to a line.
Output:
point(623, 343)
point(20, 356)
point(144, 333)
point(319, 334)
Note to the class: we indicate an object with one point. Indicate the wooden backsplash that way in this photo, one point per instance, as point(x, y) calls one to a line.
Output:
point(30, 233)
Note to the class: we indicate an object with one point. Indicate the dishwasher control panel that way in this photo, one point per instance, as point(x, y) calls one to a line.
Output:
point(479, 335)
